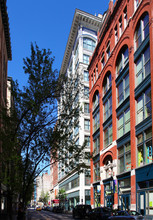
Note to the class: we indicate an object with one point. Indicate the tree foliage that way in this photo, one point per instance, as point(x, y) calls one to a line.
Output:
point(34, 131)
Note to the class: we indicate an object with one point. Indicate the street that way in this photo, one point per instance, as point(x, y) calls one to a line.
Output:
point(32, 214)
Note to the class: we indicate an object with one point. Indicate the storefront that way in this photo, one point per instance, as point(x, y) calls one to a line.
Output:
point(124, 191)
point(109, 188)
point(97, 190)
point(144, 187)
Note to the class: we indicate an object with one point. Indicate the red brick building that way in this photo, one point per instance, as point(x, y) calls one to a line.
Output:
point(121, 79)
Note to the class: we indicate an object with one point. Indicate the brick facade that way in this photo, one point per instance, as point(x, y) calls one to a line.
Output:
point(123, 88)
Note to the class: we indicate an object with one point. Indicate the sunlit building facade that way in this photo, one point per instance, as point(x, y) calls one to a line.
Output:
point(80, 46)
point(121, 108)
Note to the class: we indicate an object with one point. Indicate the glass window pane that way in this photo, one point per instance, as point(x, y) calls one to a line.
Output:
point(121, 150)
point(128, 161)
point(140, 155)
point(121, 164)
point(149, 157)
point(120, 93)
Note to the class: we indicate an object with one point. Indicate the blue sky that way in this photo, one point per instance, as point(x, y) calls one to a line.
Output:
point(45, 22)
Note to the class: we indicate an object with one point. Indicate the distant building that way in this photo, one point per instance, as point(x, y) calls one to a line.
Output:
point(121, 97)
point(43, 184)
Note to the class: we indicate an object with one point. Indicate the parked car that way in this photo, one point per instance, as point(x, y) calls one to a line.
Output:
point(100, 213)
point(81, 211)
point(126, 215)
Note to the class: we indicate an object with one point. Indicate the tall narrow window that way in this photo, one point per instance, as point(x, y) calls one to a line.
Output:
point(108, 135)
point(142, 66)
point(123, 89)
point(123, 125)
point(89, 44)
point(108, 108)
point(86, 76)
point(142, 30)
point(122, 59)
point(108, 50)
point(120, 26)
point(116, 34)
point(107, 83)
point(95, 100)
point(144, 147)
point(103, 60)
point(144, 105)
point(85, 59)
point(125, 17)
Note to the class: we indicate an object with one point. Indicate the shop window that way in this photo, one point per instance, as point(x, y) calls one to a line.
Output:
point(144, 105)
point(85, 59)
point(144, 147)
point(96, 122)
point(89, 44)
point(108, 108)
point(108, 136)
point(87, 124)
point(95, 102)
point(124, 158)
point(107, 83)
point(123, 125)
point(142, 66)
point(86, 76)
point(96, 145)
point(96, 172)
point(86, 108)
point(142, 30)
point(123, 90)
point(122, 60)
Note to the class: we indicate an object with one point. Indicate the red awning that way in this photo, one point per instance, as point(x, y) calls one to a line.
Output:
point(55, 200)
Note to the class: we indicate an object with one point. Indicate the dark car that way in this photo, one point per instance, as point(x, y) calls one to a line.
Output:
point(81, 211)
point(101, 213)
point(126, 215)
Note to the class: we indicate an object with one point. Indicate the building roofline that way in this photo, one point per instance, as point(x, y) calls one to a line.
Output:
point(79, 17)
point(5, 20)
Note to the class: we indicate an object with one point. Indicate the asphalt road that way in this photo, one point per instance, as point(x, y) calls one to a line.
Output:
point(46, 215)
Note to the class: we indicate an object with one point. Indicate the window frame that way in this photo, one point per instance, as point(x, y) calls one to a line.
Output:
point(125, 165)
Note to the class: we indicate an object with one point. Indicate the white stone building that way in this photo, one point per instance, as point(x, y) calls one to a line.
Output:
point(80, 46)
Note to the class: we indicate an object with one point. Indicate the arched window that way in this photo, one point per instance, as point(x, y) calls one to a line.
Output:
point(142, 30)
point(95, 101)
point(89, 44)
point(122, 59)
point(107, 83)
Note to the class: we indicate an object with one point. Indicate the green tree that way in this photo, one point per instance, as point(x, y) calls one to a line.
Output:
point(33, 134)
point(44, 197)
